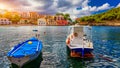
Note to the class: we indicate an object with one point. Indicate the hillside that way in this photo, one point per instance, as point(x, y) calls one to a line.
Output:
point(110, 17)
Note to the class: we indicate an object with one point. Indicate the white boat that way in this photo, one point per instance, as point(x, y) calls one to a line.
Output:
point(78, 43)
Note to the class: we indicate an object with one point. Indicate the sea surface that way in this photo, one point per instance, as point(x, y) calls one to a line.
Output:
point(106, 41)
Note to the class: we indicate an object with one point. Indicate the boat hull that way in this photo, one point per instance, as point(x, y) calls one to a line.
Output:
point(80, 52)
point(85, 55)
point(35, 63)
point(19, 61)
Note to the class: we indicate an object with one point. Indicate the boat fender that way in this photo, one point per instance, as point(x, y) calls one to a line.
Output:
point(68, 41)
point(71, 36)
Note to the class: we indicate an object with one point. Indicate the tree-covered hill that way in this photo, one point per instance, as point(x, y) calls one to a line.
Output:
point(110, 15)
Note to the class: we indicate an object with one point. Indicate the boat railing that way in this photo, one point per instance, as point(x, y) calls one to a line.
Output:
point(38, 46)
point(17, 49)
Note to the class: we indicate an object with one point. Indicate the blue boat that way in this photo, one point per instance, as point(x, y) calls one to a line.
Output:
point(25, 52)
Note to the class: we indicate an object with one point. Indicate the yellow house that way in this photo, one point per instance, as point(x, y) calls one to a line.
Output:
point(50, 20)
point(42, 21)
point(24, 21)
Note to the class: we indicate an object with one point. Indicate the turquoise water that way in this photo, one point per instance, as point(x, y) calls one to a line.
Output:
point(106, 42)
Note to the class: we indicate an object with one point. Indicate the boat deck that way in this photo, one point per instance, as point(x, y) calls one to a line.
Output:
point(26, 48)
point(80, 43)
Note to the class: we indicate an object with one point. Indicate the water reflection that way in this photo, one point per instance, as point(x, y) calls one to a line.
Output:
point(106, 42)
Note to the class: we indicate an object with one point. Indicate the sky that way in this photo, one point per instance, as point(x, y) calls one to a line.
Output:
point(76, 8)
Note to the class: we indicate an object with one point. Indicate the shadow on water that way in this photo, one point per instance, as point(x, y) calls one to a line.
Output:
point(77, 62)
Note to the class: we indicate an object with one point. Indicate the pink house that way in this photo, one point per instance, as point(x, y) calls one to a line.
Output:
point(5, 21)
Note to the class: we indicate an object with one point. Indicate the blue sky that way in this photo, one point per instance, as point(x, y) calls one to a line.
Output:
point(97, 3)
point(86, 7)
point(101, 2)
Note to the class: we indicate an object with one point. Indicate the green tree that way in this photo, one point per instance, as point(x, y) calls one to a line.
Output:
point(113, 14)
point(8, 15)
point(15, 18)
point(1, 15)
point(60, 14)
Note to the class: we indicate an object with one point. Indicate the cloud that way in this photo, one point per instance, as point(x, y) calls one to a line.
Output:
point(94, 8)
point(86, 10)
point(104, 7)
point(75, 2)
point(85, 3)
point(54, 6)
point(118, 5)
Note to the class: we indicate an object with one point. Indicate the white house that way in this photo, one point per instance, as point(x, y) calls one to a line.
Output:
point(42, 22)
point(5, 21)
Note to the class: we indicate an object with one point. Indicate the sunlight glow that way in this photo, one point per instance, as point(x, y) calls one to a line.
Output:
point(2, 6)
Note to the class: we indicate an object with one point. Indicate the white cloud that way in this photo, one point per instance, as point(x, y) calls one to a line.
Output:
point(85, 3)
point(93, 8)
point(118, 5)
point(77, 13)
point(86, 9)
point(54, 6)
point(75, 2)
point(104, 7)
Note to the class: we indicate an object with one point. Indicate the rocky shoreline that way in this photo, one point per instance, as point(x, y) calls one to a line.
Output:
point(106, 23)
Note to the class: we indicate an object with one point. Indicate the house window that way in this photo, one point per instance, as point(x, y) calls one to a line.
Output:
point(55, 18)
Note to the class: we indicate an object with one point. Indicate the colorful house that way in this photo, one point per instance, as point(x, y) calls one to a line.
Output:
point(50, 20)
point(5, 21)
point(34, 15)
point(25, 14)
point(62, 22)
point(59, 17)
point(24, 21)
point(42, 21)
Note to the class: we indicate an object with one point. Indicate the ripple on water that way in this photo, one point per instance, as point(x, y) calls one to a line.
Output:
point(1, 60)
point(54, 47)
